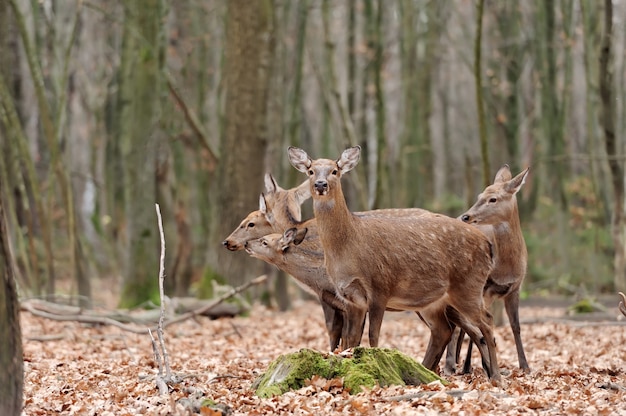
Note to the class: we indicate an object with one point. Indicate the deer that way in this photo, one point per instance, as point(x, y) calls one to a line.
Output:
point(256, 225)
point(496, 214)
point(622, 303)
point(282, 207)
point(432, 264)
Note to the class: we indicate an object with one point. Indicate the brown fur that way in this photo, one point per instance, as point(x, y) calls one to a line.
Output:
point(428, 263)
point(496, 214)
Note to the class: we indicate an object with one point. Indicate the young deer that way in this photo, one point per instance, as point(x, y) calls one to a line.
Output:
point(496, 214)
point(256, 225)
point(432, 263)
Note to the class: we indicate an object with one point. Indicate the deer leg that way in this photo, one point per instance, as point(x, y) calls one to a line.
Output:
point(467, 364)
point(353, 323)
point(376, 312)
point(511, 304)
point(355, 299)
point(333, 318)
point(476, 316)
point(440, 335)
point(453, 351)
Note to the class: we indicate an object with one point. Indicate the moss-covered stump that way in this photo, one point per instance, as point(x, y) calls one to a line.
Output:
point(366, 367)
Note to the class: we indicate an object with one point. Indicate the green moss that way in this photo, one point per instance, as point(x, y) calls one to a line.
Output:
point(290, 371)
point(586, 305)
point(367, 367)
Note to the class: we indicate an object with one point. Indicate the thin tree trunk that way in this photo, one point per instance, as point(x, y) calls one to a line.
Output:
point(612, 148)
point(482, 124)
point(11, 361)
point(141, 89)
point(244, 139)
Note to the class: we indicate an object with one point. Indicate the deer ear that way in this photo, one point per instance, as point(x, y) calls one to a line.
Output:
point(515, 184)
point(300, 234)
point(303, 192)
point(263, 208)
point(503, 174)
point(349, 159)
point(270, 183)
point(288, 237)
point(262, 204)
point(299, 159)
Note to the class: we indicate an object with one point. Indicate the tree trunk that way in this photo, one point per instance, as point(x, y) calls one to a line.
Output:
point(11, 361)
point(244, 138)
point(141, 89)
point(612, 148)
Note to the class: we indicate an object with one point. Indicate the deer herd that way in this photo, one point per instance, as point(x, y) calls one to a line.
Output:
point(358, 264)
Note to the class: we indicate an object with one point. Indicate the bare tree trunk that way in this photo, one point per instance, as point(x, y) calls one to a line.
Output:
point(244, 139)
point(482, 125)
point(613, 147)
point(141, 89)
point(11, 361)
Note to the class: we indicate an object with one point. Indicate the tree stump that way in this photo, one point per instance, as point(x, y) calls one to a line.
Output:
point(366, 367)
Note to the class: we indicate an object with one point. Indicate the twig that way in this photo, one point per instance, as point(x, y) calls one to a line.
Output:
point(161, 381)
point(161, 384)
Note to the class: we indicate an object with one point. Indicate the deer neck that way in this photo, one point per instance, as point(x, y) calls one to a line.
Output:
point(335, 222)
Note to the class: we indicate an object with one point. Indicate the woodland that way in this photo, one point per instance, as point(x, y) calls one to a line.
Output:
point(108, 107)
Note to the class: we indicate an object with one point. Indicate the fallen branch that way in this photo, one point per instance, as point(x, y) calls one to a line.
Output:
point(76, 314)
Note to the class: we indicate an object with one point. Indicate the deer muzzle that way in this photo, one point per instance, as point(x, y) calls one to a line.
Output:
point(321, 187)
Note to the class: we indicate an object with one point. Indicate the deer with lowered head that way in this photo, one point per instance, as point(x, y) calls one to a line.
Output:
point(431, 264)
point(495, 213)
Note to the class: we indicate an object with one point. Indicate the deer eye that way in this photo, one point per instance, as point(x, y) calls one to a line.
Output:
point(264, 243)
point(492, 200)
point(251, 225)
point(334, 172)
point(310, 172)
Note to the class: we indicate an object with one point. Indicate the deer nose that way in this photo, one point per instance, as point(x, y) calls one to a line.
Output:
point(321, 186)
point(465, 218)
point(225, 243)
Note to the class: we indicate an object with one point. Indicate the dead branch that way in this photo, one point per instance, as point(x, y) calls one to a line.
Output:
point(160, 355)
point(231, 293)
point(193, 121)
point(622, 304)
point(76, 314)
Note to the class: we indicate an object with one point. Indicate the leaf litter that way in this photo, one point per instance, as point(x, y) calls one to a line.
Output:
point(101, 370)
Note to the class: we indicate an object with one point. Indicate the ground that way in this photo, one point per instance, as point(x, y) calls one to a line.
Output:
point(578, 367)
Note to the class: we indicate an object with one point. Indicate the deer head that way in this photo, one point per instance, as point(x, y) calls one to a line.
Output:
point(327, 173)
point(497, 203)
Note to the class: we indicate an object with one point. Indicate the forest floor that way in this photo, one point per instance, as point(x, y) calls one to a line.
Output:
point(578, 367)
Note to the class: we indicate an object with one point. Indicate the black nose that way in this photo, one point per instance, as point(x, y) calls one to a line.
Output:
point(321, 185)
point(465, 218)
point(225, 243)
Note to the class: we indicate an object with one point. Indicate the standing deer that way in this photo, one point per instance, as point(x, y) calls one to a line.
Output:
point(306, 263)
point(432, 263)
point(496, 214)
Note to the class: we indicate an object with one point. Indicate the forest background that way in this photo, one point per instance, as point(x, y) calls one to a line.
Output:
point(108, 107)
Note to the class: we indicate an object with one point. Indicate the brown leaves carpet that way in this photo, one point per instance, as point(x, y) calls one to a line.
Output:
point(578, 368)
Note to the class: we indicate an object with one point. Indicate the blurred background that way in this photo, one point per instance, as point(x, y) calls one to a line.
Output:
point(110, 106)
